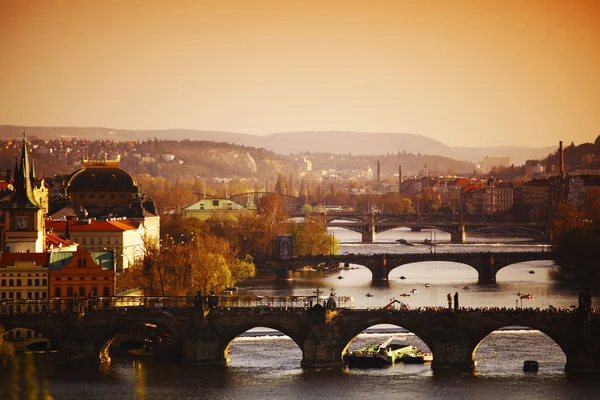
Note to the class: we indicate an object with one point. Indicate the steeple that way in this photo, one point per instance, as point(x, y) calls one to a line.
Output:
point(23, 191)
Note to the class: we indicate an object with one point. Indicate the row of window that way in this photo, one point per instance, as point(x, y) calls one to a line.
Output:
point(82, 278)
point(81, 291)
point(84, 240)
point(17, 334)
point(19, 295)
point(23, 275)
point(18, 282)
point(101, 196)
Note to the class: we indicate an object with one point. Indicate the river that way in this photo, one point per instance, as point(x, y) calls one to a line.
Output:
point(266, 364)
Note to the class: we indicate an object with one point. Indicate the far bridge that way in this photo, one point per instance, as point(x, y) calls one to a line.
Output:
point(192, 334)
point(487, 264)
point(369, 224)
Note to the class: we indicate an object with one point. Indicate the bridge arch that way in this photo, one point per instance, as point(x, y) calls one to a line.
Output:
point(554, 347)
point(227, 339)
point(105, 336)
point(349, 335)
point(227, 342)
point(460, 271)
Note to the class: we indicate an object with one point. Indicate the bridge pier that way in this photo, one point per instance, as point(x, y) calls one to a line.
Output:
point(459, 236)
point(486, 269)
point(284, 274)
point(380, 270)
point(369, 236)
point(79, 352)
point(584, 354)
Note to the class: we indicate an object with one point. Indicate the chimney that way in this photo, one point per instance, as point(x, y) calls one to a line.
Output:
point(378, 171)
point(561, 158)
point(399, 179)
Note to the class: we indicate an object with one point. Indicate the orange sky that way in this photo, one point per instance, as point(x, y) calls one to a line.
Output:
point(477, 72)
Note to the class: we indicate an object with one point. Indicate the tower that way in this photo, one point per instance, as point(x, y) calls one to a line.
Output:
point(378, 171)
point(25, 228)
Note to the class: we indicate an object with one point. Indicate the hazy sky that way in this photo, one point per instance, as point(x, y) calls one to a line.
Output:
point(477, 72)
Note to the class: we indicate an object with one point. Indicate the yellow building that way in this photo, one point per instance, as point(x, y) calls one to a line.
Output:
point(213, 208)
point(23, 276)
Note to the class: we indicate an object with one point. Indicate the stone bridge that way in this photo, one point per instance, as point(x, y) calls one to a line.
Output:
point(487, 265)
point(203, 337)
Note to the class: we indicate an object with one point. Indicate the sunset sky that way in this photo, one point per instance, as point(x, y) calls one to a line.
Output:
point(467, 73)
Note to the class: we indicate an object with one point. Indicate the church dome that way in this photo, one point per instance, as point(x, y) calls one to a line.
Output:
point(103, 175)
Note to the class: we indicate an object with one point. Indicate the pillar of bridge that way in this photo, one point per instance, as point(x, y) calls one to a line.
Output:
point(284, 274)
point(486, 268)
point(321, 352)
point(380, 270)
point(449, 353)
point(369, 235)
point(583, 351)
point(79, 351)
point(203, 350)
point(458, 236)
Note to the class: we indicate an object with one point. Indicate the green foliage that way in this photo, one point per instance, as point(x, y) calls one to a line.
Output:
point(311, 238)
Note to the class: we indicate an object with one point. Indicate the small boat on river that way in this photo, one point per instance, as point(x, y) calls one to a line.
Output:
point(379, 355)
point(404, 294)
point(530, 366)
point(428, 285)
point(370, 295)
point(414, 290)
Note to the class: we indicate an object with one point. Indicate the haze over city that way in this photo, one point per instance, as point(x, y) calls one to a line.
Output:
point(466, 73)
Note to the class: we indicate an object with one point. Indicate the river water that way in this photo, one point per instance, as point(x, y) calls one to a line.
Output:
point(266, 364)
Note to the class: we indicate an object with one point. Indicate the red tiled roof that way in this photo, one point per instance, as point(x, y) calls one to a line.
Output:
point(93, 225)
point(10, 258)
point(57, 241)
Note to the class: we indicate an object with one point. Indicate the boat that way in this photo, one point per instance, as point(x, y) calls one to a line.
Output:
point(378, 355)
point(428, 285)
point(527, 296)
point(402, 277)
point(531, 271)
point(340, 277)
point(370, 295)
point(530, 366)
point(417, 358)
point(401, 241)
point(414, 290)
point(404, 294)
point(466, 287)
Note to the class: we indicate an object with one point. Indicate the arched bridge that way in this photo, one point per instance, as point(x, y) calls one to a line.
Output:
point(199, 336)
point(487, 264)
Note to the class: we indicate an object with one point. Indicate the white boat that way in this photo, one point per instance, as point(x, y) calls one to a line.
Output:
point(379, 355)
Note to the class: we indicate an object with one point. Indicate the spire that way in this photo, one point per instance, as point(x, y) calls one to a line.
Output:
point(32, 172)
point(24, 194)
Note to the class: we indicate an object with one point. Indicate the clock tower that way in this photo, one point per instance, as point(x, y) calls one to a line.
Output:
point(25, 223)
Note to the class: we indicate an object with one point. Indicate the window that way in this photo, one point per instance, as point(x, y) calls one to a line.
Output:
point(57, 292)
point(84, 241)
point(18, 282)
point(43, 295)
point(122, 195)
point(92, 196)
point(112, 196)
point(3, 282)
point(94, 278)
point(70, 278)
point(76, 240)
point(44, 282)
point(18, 295)
point(70, 292)
point(107, 240)
point(82, 291)
point(91, 240)
point(99, 240)
point(106, 291)
point(28, 334)
point(2, 295)
point(116, 240)
point(57, 278)
point(101, 195)
point(106, 278)
point(11, 282)
point(29, 282)
point(11, 295)
point(37, 295)
point(81, 278)
point(215, 203)
point(37, 282)
point(29, 295)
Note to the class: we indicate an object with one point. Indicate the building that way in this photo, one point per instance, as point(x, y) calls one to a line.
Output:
point(25, 214)
point(101, 186)
point(82, 273)
point(125, 237)
point(213, 208)
point(533, 168)
point(23, 276)
point(489, 162)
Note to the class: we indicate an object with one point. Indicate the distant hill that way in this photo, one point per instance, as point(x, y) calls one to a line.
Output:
point(336, 142)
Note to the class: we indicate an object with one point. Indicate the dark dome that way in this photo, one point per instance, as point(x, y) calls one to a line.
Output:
point(101, 177)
